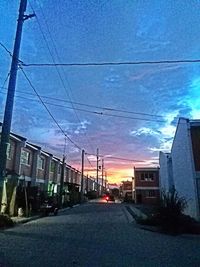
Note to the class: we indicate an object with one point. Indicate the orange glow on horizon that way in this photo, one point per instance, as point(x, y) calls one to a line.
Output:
point(116, 172)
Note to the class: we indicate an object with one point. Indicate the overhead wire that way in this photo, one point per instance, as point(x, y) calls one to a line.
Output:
point(93, 64)
point(51, 115)
point(93, 106)
point(99, 64)
point(118, 158)
point(93, 112)
point(53, 59)
point(69, 86)
point(5, 48)
point(49, 112)
point(5, 81)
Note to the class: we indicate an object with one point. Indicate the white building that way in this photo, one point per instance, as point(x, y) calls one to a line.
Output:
point(166, 174)
point(184, 169)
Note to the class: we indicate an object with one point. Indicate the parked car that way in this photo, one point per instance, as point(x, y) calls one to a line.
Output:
point(49, 206)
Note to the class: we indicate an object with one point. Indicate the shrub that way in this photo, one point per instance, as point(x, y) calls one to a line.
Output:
point(170, 210)
point(169, 217)
point(5, 221)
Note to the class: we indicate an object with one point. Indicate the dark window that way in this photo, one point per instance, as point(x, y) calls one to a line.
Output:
point(25, 157)
point(52, 169)
point(41, 163)
point(150, 193)
point(151, 176)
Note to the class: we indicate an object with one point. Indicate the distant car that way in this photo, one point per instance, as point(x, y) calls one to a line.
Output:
point(109, 198)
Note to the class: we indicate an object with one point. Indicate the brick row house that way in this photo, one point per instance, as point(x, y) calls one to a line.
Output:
point(180, 169)
point(146, 185)
point(29, 166)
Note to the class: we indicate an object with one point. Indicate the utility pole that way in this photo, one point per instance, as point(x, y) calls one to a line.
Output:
point(87, 183)
point(102, 175)
point(97, 172)
point(82, 174)
point(5, 134)
point(62, 182)
point(105, 179)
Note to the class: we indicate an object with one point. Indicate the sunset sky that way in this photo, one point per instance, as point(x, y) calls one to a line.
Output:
point(146, 100)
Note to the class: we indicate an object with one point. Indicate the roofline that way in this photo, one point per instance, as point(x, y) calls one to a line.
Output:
point(18, 137)
point(146, 168)
point(35, 147)
point(186, 121)
point(46, 153)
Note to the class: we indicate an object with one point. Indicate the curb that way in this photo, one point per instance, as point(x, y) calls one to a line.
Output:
point(136, 213)
point(25, 220)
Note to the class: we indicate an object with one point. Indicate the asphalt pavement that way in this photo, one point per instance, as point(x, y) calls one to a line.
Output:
point(94, 234)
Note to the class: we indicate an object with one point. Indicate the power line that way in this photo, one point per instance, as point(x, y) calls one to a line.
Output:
point(87, 64)
point(94, 112)
point(118, 158)
point(5, 48)
point(43, 103)
point(92, 106)
point(6, 79)
point(10, 54)
point(125, 159)
point(53, 59)
point(93, 64)
point(69, 86)
point(47, 109)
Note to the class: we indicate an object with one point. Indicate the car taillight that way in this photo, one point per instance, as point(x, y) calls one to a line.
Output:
point(107, 198)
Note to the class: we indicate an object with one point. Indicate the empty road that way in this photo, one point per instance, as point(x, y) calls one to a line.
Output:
point(94, 234)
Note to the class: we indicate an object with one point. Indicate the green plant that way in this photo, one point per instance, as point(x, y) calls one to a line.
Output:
point(172, 202)
point(169, 212)
point(168, 216)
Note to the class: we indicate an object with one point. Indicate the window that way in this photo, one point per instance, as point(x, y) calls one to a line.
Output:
point(25, 158)
point(8, 151)
point(40, 164)
point(147, 176)
point(52, 168)
point(150, 193)
point(151, 176)
point(59, 168)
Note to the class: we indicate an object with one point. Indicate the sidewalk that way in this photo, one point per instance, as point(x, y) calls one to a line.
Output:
point(20, 220)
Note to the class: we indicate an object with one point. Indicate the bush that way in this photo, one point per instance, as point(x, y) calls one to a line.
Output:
point(5, 221)
point(169, 217)
point(170, 210)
